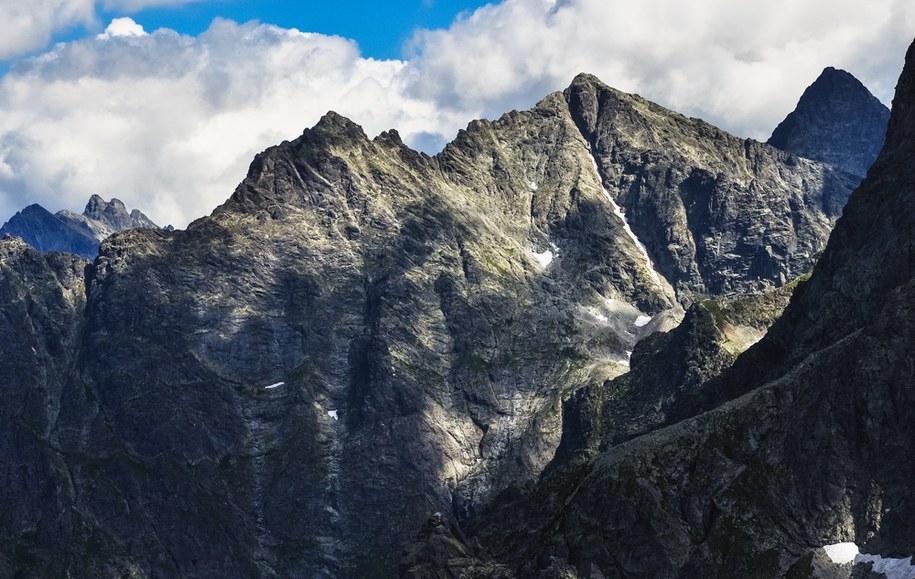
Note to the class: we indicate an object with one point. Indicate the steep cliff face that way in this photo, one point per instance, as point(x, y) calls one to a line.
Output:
point(836, 121)
point(812, 445)
point(42, 298)
point(363, 335)
point(717, 214)
point(68, 232)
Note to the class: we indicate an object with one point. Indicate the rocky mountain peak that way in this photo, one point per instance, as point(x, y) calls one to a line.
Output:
point(114, 214)
point(838, 121)
point(336, 126)
point(810, 447)
point(363, 334)
point(97, 207)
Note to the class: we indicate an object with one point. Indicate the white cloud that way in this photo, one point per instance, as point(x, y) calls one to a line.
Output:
point(740, 64)
point(27, 25)
point(122, 27)
point(169, 123)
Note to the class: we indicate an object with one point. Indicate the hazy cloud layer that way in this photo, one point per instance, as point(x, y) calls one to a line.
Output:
point(169, 123)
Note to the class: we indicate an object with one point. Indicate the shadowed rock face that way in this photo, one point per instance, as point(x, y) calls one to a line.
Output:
point(806, 441)
point(71, 233)
point(837, 121)
point(363, 335)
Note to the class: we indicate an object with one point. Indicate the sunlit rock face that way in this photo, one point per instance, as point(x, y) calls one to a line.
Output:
point(363, 335)
point(804, 442)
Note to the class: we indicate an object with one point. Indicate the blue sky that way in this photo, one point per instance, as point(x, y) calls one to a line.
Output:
point(163, 103)
point(381, 28)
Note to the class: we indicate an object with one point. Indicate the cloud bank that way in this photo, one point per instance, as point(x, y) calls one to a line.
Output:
point(168, 123)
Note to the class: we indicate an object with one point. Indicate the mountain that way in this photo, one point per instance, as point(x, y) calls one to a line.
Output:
point(836, 121)
point(65, 231)
point(804, 443)
point(363, 335)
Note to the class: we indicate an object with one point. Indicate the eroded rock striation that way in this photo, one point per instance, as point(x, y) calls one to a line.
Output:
point(363, 335)
point(68, 232)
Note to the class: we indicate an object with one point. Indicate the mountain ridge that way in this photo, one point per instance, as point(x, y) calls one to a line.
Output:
point(66, 231)
point(363, 334)
point(806, 446)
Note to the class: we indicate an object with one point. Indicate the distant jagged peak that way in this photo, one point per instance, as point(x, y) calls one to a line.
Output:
point(838, 121)
point(115, 215)
point(66, 231)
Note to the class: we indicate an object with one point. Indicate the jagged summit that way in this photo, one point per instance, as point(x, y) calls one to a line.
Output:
point(68, 232)
point(336, 125)
point(115, 216)
point(836, 121)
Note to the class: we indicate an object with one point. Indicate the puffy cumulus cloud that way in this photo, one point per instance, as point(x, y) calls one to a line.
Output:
point(122, 27)
point(169, 123)
point(742, 65)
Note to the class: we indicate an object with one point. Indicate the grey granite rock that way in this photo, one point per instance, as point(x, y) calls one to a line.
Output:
point(807, 441)
point(363, 335)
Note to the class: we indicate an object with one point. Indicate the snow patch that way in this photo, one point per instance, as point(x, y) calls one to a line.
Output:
point(533, 185)
point(333, 414)
point(641, 321)
point(272, 386)
point(892, 568)
point(844, 553)
point(545, 258)
point(617, 210)
point(841, 553)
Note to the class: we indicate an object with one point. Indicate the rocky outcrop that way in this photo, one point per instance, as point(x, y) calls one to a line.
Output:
point(809, 443)
point(668, 370)
point(68, 232)
point(837, 121)
point(363, 335)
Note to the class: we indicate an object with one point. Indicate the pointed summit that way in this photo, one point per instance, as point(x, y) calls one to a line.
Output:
point(335, 126)
point(114, 214)
point(836, 121)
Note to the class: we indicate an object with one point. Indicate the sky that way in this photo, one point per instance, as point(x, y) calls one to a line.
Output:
point(164, 103)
